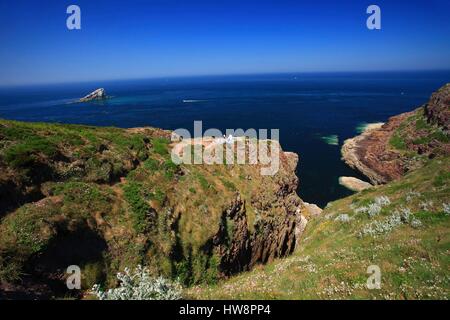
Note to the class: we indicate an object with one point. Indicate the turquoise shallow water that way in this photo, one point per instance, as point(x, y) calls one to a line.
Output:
point(314, 112)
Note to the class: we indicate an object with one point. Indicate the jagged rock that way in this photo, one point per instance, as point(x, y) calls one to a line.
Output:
point(373, 154)
point(363, 152)
point(312, 209)
point(354, 184)
point(438, 108)
point(98, 94)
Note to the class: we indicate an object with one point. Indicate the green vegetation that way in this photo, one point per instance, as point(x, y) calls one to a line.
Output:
point(160, 146)
point(81, 199)
point(119, 197)
point(26, 153)
point(203, 182)
point(116, 186)
point(170, 169)
point(332, 260)
point(139, 207)
point(229, 185)
point(397, 142)
point(417, 131)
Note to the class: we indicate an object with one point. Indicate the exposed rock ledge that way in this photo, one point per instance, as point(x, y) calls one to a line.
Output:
point(98, 94)
point(354, 184)
point(361, 152)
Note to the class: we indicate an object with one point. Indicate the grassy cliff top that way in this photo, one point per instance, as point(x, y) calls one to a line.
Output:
point(107, 198)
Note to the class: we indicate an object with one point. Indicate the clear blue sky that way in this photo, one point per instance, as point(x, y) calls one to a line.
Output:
point(138, 39)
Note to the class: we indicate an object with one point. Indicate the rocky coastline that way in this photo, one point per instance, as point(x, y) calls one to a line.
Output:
point(386, 152)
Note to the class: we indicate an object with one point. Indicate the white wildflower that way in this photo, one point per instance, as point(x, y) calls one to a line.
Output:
point(343, 218)
point(139, 285)
point(382, 201)
point(446, 207)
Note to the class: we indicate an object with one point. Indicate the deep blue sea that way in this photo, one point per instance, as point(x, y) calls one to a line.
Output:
point(304, 107)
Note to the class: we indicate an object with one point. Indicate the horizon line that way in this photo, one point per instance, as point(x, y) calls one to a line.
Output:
point(168, 77)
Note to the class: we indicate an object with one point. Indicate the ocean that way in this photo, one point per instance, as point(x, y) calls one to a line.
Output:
point(315, 113)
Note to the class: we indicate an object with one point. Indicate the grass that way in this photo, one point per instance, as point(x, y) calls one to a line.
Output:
point(140, 209)
point(123, 187)
point(397, 142)
point(160, 146)
point(332, 261)
point(170, 169)
point(203, 182)
point(228, 184)
point(416, 130)
point(107, 151)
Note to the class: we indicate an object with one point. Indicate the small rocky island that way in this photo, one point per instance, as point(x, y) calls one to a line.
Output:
point(99, 94)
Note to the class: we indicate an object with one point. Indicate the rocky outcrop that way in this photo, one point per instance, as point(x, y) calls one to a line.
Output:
point(270, 238)
point(387, 152)
point(98, 94)
point(354, 184)
point(370, 154)
point(437, 109)
point(312, 210)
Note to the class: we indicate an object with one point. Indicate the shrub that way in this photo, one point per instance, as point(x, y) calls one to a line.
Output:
point(442, 179)
point(405, 214)
point(159, 196)
point(140, 285)
point(397, 142)
point(229, 185)
point(381, 227)
point(373, 209)
point(203, 182)
point(411, 195)
point(170, 169)
point(415, 223)
point(382, 201)
point(151, 164)
point(343, 218)
point(421, 124)
point(446, 207)
point(139, 207)
point(26, 153)
point(426, 205)
point(399, 217)
point(160, 146)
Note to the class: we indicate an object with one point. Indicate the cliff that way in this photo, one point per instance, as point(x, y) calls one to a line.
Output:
point(108, 198)
point(400, 228)
point(406, 142)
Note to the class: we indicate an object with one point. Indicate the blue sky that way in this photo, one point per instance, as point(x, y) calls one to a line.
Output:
point(140, 39)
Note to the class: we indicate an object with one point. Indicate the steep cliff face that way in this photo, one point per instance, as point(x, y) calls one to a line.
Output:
point(371, 154)
point(107, 198)
point(404, 143)
point(437, 110)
